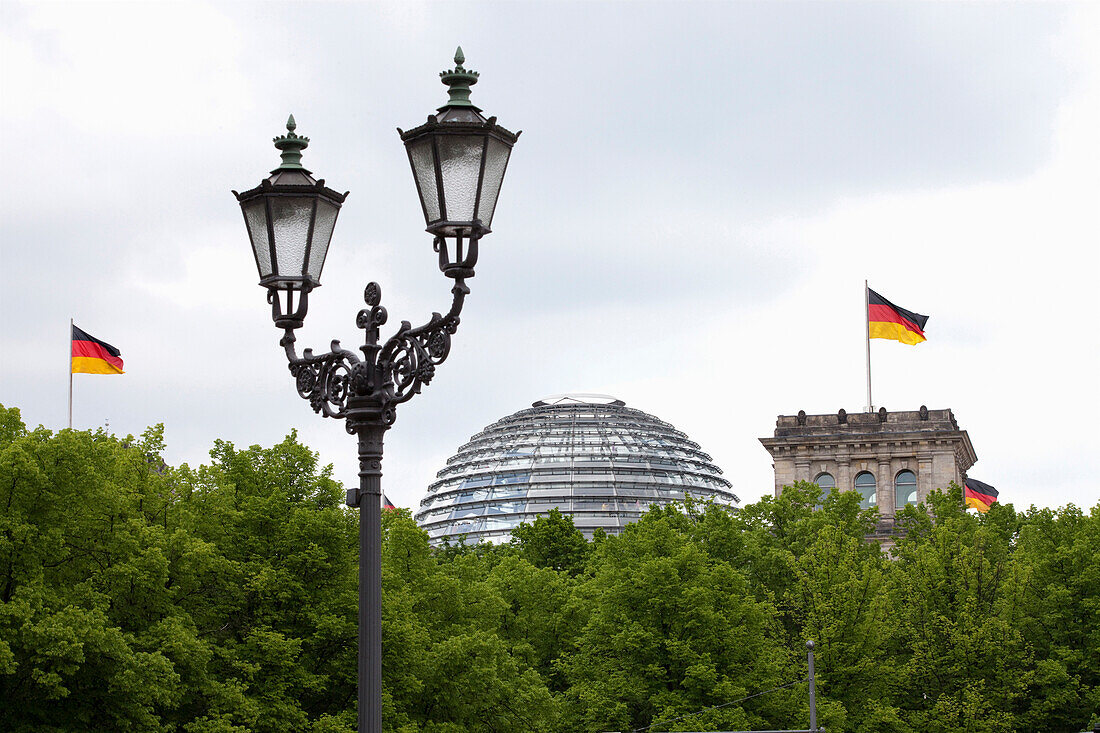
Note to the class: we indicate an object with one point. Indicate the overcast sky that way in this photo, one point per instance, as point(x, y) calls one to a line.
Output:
point(699, 193)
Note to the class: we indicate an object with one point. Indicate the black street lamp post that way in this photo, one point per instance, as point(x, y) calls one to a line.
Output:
point(458, 159)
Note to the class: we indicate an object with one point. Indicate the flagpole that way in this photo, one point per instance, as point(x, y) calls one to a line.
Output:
point(867, 333)
point(70, 374)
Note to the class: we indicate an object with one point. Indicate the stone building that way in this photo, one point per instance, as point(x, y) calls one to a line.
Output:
point(890, 458)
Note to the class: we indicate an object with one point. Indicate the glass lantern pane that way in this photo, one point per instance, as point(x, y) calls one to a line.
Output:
point(255, 216)
point(322, 235)
point(423, 162)
point(495, 163)
point(460, 162)
point(290, 217)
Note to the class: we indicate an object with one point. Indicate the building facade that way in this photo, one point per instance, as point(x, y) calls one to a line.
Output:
point(890, 458)
point(590, 456)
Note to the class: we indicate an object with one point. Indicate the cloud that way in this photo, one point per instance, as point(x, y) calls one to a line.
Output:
point(164, 68)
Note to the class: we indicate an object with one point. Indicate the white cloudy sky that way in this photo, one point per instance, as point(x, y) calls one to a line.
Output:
point(699, 193)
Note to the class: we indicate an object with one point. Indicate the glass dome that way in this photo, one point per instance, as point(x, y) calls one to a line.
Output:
point(590, 456)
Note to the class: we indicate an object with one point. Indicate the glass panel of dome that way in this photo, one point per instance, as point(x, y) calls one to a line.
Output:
point(588, 491)
point(587, 520)
point(547, 492)
point(510, 507)
point(507, 492)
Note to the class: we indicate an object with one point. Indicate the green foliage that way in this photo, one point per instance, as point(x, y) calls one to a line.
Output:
point(1058, 606)
point(962, 662)
point(552, 542)
point(454, 657)
point(222, 599)
point(138, 597)
point(669, 631)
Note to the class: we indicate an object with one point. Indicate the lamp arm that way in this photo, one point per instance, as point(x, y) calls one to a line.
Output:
point(386, 375)
point(409, 358)
point(287, 342)
point(325, 380)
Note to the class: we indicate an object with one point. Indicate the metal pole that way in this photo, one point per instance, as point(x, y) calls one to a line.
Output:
point(867, 333)
point(813, 690)
point(70, 374)
point(370, 578)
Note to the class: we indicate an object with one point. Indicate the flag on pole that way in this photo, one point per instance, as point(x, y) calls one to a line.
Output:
point(887, 321)
point(387, 505)
point(978, 495)
point(92, 356)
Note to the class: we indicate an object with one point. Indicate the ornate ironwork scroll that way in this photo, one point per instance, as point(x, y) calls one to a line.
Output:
point(339, 382)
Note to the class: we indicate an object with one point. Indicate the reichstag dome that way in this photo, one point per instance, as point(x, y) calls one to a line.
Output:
point(591, 456)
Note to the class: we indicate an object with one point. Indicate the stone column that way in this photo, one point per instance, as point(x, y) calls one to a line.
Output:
point(884, 486)
point(924, 477)
point(843, 474)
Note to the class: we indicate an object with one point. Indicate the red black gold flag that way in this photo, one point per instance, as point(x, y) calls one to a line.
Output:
point(978, 495)
point(387, 505)
point(887, 321)
point(92, 356)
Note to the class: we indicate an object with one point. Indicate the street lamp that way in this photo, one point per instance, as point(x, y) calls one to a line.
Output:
point(458, 159)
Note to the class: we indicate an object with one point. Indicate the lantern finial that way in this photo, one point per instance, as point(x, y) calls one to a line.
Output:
point(458, 81)
point(291, 146)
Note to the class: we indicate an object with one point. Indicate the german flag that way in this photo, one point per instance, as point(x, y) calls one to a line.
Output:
point(92, 356)
point(387, 505)
point(978, 495)
point(887, 321)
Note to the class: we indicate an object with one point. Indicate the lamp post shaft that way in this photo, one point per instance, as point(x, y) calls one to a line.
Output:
point(370, 577)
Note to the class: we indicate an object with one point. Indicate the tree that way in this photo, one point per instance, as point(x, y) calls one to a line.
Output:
point(281, 608)
point(1058, 606)
point(669, 631)
point(540, 621)
point(138, 597)
point(446, 664)
point(85, 608)
point(961, 661)
point(810, 560)
point(553, 542)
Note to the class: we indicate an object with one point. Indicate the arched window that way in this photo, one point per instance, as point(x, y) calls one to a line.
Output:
point(826, 483)
point(905, 488)
point(865, 485)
